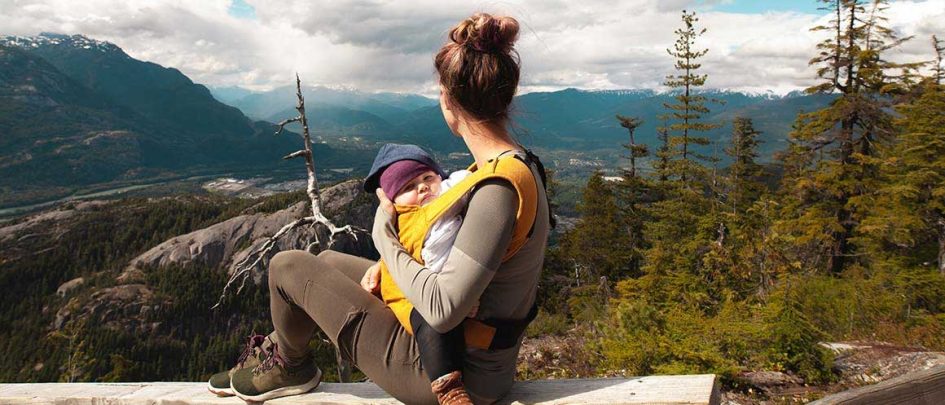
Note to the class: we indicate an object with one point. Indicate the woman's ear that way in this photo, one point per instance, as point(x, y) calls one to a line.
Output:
point(445, 101)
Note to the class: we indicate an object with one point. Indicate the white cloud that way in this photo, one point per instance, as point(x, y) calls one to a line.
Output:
point(389, 45)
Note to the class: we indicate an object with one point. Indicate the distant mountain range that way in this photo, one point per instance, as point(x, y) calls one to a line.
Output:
point(77, 112)
point(569, 119)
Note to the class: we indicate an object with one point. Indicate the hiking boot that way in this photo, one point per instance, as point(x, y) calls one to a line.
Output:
point(254, 351)
point(273, 378)
point(449, 389)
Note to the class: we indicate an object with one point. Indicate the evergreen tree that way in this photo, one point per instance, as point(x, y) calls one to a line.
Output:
point(633, 193)
point(744, 173)
point(634, 150)
point(938, 70)
point(689, 107)
point(598, 245)
point(907, 214)
point(738, 254)
point(794, 342)
point(664, 153)
point(833, 147)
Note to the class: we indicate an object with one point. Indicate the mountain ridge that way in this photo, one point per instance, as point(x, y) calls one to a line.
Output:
point(76, 112)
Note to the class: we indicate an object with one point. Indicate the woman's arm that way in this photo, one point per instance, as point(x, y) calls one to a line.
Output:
point(445, 298)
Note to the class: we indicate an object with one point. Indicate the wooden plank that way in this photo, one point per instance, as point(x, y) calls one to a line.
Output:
point(925, 387)
point(666, 390)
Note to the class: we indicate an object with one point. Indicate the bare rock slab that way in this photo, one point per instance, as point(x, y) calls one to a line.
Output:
point(665, 390)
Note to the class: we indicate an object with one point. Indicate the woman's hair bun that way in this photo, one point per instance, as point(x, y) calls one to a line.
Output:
point(478, 68)
point(484, 33)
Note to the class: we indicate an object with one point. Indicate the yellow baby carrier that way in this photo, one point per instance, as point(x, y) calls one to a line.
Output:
point(414, 224)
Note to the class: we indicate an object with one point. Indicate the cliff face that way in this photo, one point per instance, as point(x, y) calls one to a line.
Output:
point(123, 289)
point(121, 297)
point(225, 244)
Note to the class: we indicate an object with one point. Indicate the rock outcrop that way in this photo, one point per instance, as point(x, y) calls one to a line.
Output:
point(69, 286)
point(46, 221)
point(226, 243)
point(125, 307)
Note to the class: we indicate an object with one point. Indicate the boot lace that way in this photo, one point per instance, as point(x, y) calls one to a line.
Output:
point(274, 356)
point(252, 342)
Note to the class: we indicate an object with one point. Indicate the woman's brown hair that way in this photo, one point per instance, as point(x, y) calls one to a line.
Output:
point(478, 67)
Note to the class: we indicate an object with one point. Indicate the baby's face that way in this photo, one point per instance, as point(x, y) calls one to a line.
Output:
point(420, 190)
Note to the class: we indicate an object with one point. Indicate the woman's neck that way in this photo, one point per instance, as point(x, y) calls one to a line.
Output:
point(486, 140)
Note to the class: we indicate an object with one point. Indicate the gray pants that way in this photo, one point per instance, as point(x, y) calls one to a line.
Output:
point(324, 291)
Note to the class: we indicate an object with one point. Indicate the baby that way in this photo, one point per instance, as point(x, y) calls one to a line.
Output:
point(409, 182)
point(408, 175)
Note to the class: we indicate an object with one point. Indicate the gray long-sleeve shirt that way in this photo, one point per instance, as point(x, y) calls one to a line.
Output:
point(473, 272)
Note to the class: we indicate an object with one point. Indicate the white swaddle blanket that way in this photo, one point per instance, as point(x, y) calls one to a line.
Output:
point(437, 245)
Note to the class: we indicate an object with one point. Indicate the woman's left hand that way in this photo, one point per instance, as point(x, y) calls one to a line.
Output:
point(385, 203)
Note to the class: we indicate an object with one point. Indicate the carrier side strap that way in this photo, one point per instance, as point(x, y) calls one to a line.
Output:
point(497, 334)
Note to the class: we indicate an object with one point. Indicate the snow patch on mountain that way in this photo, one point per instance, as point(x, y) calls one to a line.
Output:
point(53, 39)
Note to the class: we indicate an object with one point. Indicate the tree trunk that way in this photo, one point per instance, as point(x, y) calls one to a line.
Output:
point(633, 160)
point(941, 246)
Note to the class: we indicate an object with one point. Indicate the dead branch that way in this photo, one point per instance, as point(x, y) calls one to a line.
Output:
point(245, 267)
point(294, 155)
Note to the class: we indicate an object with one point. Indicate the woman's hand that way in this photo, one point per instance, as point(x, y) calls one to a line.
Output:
point(385, 203)
point(371, 282)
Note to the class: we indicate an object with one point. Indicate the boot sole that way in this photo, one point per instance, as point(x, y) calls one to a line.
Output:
point(284, 391)
point(220, 392)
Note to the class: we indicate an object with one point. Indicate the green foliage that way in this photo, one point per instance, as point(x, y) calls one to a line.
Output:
point(598, 246)
point(634, 150)
point(832, 155)
point(793, 340)
point(905, 217)
point(548, 324)
point(730, 275)
point(745, 174)
point(689, 108)
point(938, 68)
point(643, 339)
point(190, 341)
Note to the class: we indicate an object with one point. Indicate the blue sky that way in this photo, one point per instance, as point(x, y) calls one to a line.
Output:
point(240, 9)
point(761, 6)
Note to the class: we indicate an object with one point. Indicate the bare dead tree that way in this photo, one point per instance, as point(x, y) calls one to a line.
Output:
point(245, 267)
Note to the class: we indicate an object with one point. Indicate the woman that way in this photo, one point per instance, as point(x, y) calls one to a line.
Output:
point(478, 75)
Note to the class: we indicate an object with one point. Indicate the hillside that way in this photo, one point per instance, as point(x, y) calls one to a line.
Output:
point(96, 288)
point(78, 112)
point(57, 133)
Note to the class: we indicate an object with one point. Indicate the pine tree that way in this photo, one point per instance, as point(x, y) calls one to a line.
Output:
point(938, 70)
point(907, 214)
point(680, 221)
point(634, 150)
point(634, 192)
point(664, 153)
point(744, 173)
point(689, 107)
point(740, 249)
point(833, 148)
point(598, 245)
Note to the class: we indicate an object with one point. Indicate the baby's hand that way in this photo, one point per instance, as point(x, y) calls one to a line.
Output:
point(474, 311)
point(385, 203)
point(371, 281)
